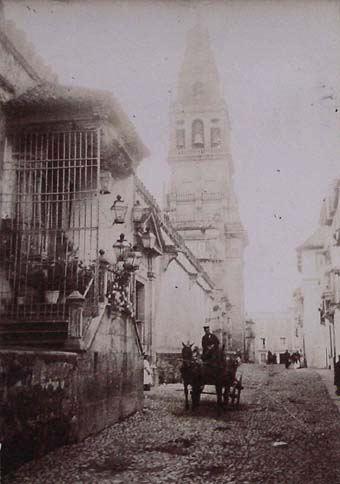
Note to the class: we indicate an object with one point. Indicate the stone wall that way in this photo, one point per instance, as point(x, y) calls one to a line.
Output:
point(49, 399)
point(181, 311)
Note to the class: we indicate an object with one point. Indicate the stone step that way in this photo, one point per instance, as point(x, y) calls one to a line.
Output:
point(54, 325)
point(37, 333)
point(32, 331)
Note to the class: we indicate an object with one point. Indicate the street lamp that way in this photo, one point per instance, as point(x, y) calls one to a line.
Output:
point(137, 212)
point(119, 208)
point(126, 256)
point(148, 240)
point(120, 247)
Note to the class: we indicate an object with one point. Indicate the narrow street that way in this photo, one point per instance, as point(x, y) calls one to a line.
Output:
point(286, 430)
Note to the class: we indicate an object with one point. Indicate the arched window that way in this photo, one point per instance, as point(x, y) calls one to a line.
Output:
point(215, 135)
point(180, 138)
point(197, 134)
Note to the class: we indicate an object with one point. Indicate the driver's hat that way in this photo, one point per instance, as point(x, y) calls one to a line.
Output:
point(206, 326)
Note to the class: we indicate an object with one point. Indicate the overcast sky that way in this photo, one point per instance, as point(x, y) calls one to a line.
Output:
point(279, 64)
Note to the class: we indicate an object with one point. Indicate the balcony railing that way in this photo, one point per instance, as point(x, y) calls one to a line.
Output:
point(198, 151)
point(189, 196)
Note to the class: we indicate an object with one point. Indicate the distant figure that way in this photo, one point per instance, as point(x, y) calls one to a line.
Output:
point(269, 358)
point(297, 360)
point(337, 376)
point(302, 360)
point(210, 344)
point(287, 359)
point(147, 374)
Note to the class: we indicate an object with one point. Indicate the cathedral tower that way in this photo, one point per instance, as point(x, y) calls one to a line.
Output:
point(201, 201)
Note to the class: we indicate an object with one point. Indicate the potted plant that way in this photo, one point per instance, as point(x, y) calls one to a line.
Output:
point(119, 300)
point(54, 280)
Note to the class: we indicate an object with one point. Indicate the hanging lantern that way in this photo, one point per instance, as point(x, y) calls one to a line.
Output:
point(137, 212)
point(121, 246)
point(119, 208)
point(148, 240)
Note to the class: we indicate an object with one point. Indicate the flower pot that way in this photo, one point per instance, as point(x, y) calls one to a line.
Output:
point(51, 297)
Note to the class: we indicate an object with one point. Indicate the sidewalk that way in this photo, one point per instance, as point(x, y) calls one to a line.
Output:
point(327, 377)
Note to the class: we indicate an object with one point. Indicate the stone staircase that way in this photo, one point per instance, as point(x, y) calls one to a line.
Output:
point(43, 326)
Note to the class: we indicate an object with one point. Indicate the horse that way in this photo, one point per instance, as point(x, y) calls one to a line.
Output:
point(218, 371)
point(190, 371)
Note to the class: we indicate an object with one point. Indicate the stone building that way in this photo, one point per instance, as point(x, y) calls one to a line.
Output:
point(297, 308)
point(201, 202)
point(92, 273)
point(67, 330)
point(70, 352)
point(176, 298)
point(274, 332)
point(319, 264)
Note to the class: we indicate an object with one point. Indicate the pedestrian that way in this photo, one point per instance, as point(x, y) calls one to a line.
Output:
point(269, 358)
point(287, 360)
point(297, 360)
point(147, 374)
point(337, 376)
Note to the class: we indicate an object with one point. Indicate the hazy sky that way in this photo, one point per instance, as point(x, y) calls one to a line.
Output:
point(279, 64)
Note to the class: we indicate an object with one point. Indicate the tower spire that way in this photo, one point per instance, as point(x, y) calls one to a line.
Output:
point(198, 78)
point(201, 201)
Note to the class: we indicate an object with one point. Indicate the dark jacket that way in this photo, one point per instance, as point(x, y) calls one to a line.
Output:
point(210, 344)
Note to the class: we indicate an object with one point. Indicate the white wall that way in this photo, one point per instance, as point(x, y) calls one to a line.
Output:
point(182, 307)
point(316, 335)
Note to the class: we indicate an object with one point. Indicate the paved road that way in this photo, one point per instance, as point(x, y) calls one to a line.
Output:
point(286, 431)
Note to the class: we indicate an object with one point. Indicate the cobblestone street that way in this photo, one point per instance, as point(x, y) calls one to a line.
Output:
point(286, 430)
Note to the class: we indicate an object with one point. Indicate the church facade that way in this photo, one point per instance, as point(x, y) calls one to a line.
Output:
point(201, 202)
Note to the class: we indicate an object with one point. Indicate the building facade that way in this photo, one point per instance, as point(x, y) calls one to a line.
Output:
point(201, 201)
point(70, 353)
point(274, 332)
point(93, 274)
point(319, 265)
point(175, 278)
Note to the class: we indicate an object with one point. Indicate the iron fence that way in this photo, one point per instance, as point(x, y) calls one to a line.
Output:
point(49, 222)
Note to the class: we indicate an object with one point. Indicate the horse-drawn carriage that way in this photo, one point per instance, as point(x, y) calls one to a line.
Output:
point(219, 371)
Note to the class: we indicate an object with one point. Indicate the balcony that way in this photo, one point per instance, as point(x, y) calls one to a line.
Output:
point(212, 196)
point(181, 197)
point(191, 197)
point(208, 152)
point(196, 222)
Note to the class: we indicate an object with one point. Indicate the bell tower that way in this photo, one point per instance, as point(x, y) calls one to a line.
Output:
point(201, 202)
